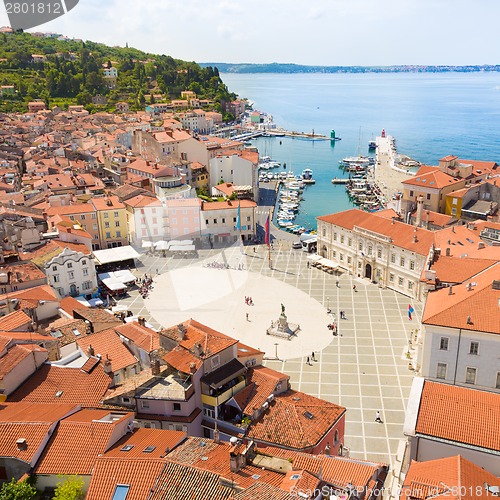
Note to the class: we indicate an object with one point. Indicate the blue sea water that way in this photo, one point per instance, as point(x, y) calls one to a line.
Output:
point(431, 115)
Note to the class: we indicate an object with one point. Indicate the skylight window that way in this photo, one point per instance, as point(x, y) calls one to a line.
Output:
point(121, 492)
point(59, 394)
point(149, 449)
point(76, 332)
point(256, 476)
point(309, 415)
point(295, 477)
point(127, 447)
point(56, 334)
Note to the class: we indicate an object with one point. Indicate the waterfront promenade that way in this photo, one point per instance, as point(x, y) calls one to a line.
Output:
point(364, 368)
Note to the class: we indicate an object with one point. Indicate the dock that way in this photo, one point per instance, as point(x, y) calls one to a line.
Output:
point(340, 181)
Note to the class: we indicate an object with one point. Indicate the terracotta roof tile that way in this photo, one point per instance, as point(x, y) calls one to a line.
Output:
point(182, 482)
point(478, 303)
point(69, 304)
point(182, 360)
point(140, 475)
point(286, 424)
point(446, 478)
point(108, 344)
point(434, 179)
point(77, 442)
point(77, 387)
point(459, 414)
point(14, 320)
point(264, 491)
point(142, 336)
point(456, 269)
point(401, 234)
point(162, 440)
point(15, 355)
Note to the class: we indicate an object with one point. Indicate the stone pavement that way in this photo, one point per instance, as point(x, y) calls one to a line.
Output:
point(364, 368)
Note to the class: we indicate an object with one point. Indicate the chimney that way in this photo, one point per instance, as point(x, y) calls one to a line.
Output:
point(448, 252)
point(107, 365)
point(327, 449)
point(141, 320)
point(155, 367)
point(90, 350)
point(192, 368)
point(469, 320)
point(197, 349)
point(22, 444)
point(450, 290)
point(69, 230)
point(180, 331)
point(420, 208)
point(216, 434)
point(415, 238)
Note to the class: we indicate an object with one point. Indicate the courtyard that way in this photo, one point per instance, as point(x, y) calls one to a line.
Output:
point(363, 368)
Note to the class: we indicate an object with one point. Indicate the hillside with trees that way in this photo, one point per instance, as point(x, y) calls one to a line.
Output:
point(72, 72)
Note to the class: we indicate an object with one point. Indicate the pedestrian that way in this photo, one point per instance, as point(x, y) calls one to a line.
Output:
point(312, 356)
point(308, 264)
point(377, 417)
point(337, 284)
point(308, 362)
point(247, 317)
point(354, 288)
point(253, 249)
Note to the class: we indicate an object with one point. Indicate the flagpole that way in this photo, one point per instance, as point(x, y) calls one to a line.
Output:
point(269, 240)
point(239, 224)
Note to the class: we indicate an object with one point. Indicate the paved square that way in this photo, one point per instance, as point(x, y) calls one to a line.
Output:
point(364, 368)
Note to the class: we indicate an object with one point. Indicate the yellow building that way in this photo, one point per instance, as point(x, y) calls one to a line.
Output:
point(112, 221)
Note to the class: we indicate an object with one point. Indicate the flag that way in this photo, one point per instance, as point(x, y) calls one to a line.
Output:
point(238, 218)
point(267, 239)
point(410, 311)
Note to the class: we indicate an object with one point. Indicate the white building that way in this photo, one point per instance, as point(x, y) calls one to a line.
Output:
point(237, 167)
point(72, 273)
point(219, 221)
point(375, 247)
point(461, 338)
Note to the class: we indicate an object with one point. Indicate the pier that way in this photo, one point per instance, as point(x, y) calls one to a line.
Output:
point(340, 181)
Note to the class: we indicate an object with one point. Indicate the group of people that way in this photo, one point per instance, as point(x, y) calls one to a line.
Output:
point(333, 327)
point(145, 285)
point(249, 301)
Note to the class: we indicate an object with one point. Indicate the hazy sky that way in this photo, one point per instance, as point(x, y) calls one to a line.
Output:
point(324, 32)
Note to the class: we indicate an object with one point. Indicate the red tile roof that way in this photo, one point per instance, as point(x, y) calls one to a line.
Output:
point(469, 307)
point(108, 344)
point(402, 235)
point(140, 475)
point(446, 478)
point(459, 414)
point(142, 336)
point(162, 440)
point(458, 270)
point(77, 442)
point(287, 424)
point(432, 180)
point(14, 320)
point(15, 355)
point(264, 491)
point(77, 387)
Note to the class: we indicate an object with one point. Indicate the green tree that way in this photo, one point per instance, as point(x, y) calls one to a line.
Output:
point(17, 491)
point(69, 488)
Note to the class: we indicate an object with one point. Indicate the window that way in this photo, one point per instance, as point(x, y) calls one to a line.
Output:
point(455, 201)
point(93, 216)
point(342, 257)
point(144, 404)
point(248, 218)
point(215, 221)
point(70, 265)
point(470, 376)
point(87, 285)
point(85, 272)
point(119, 234)
point(177, 407)
point(117, 223)
point(370, 250)
point(400, 281)
point(428, 196)
point(56, 278)
point(410, 285)
point(72, 217)
point(108, 235)
point(391, 278)
point(349, 260)
point(334, 254)
point(334, 236)
point(441, 370)
point(349, 242)
point(105, 215)
point(393, 258)
point(453, 211)
point(474, 348)
point(94, 227)
point(412, 265)
point(121, 492)
point(82, 217)
point(71, 275)
point(360, 246)
point(223, 220)
point(106, 225)
point(209, 411)
point(342, 239)
point(206, 222)
point(379, 253)
point(84, 262)
point(443, 343)
point(115, 214)
point(54, 268)
point(234, 219)
point(324, 232)
point(215, 361)
point(402, 262)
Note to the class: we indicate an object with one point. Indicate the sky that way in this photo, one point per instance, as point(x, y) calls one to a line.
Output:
point(319, 32)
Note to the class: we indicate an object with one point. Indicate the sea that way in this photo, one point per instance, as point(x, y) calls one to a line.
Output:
point(430, 115)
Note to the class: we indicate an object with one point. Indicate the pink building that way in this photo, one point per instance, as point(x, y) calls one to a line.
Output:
point(184, 218)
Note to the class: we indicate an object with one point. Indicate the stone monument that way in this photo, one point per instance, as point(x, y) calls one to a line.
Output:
point(282, 328)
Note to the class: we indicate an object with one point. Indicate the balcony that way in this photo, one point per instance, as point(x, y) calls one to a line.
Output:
point(171, 387)
point(224, 393)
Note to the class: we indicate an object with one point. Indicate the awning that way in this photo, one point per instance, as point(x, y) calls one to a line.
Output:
point(113, 284)
point(117, 254)
point(119, 308)
point(147, 244)
point(327, 263)
point(180, 242)
point(224, 374)
point(125, 276)
point(161, 245)
point(182, 248)
point(315, 257)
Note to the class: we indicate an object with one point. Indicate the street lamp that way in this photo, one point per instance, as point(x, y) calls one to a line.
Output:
point(328, 302)
point(276, 349)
